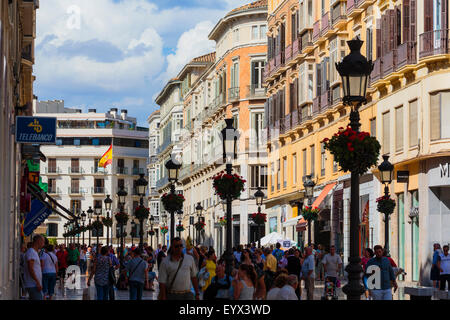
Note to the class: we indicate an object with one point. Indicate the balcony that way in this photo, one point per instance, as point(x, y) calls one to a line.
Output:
point(54, 191)
point(279, 60)
point(75, 170)
point(353, 8)
point(165, 145)
point(306, 42)
point(295, 118)
point(98, 170)
point(296, 45)
point(27, 53)
point(255, 91)
point(389, 60)
point(288, 53)
point(324, 101)
point(325, 24)
point(122, 170)
point(406, 54)
point(316, 105)
point(233, 94)
point(52, 170)
point(434, 43)
point(287, 123)
point(138, 171)
point(316, 31)
point(75, 191)
point(338, 16)
point(98, 190)
point(376, 73)
point(162, 182)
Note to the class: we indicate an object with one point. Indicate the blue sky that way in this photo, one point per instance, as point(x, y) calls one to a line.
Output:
point(119, 53)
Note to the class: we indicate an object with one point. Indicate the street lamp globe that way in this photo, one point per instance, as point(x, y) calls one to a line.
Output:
point(355, 71)
point(309, 186)
point(259, 196)
point(122, 195)
point(108, 201)
point(90, 212)
point(141, 185)
point(172, 169)
point(83, 216)
point(229, 140)
point(199, 209)
point(386, 170)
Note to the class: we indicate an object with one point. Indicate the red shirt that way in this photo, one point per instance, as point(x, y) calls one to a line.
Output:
point(393, 264)
point(62, 258)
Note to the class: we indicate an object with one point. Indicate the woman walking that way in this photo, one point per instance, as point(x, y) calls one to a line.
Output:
point(49, 265)
point(101, 271)
point(210, 265)
point(244, 285)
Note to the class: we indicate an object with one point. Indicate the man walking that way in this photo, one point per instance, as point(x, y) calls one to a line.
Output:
point(332, 263)
point(176, 273)
point(33, 270)
point(444, 268)
point(161, 255)
point(138, 274)
point(308, 274)
point(288, 291)
point(435, 273)
point(386, 273)
point(73, 257)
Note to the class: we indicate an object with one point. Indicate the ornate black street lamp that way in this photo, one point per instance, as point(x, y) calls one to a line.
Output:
point(355, 71)
point(259, 196)
point(108, 202)
point(98, 213)
point(141, 185)
point(229, 140)
point(386, 176)
point(172, 170)
point(122, 198)
point(83, 220)
point(309, 185)
point(199, 211)
point(90, 213)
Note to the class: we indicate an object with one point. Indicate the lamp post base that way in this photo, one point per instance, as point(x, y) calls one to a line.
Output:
point(353, 289)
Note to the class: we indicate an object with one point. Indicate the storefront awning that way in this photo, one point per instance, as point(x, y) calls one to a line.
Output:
point(323, 194)
point(294, 221)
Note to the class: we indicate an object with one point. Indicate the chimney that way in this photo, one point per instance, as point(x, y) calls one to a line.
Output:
point(113, 112)
point(124, 113)
point(92, 111)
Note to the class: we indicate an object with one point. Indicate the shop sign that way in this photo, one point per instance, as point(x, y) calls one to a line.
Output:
point(36, 130)
point(402, 176)
point(445, 170)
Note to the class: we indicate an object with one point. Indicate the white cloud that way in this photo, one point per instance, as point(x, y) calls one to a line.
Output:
point(191, 44)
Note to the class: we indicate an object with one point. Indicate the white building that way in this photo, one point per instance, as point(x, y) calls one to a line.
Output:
point(72, 173)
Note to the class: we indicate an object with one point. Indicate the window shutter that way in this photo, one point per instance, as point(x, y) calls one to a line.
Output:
point(386, 133)
point(385, 31)
point(413, 20)
point(283, 37)
point(435, 116)
point(378, 37)
point(406, 21)
point(413, 130)
point(291, 97)
point(399, 129)
point(296, 94)
point(254, 75)
point(232, 75)
point(444, 13)
point(392, 29)
point(428, 15)
point(318, 79)
point(293, 21)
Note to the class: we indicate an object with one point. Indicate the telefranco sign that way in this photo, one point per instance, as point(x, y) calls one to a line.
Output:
point(36, 130)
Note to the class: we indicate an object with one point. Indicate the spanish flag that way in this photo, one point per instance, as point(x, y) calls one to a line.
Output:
point(106, 158)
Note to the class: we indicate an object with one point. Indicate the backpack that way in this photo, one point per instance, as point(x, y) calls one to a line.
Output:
point(212, 290)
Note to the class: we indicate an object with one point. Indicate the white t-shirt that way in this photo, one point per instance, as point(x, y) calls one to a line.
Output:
point(29, 282)
point(445, 263)
point(287, 293)
point(187, 271)
point(50, 261)
point(332, 263)
point(273, 294)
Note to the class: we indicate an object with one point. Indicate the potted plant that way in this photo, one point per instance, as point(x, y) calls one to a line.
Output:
point(164, 229)
point(225, 184)
point(172, 202)
point(353, 151)
point(310, 213)
point(385, 205)
point(259, 218)
point(199, 226)
point(180, 228)
point(223, 221)
point(141, 213)
point(121, 217)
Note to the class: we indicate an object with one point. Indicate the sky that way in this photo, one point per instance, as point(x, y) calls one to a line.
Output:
point(102, 54)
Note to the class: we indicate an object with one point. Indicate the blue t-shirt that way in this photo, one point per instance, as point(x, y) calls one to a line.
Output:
point(278, 253)
point(387, 273)
point(224, 293)
point(136, 268)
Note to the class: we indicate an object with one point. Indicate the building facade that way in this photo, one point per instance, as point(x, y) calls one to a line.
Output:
point(406, 111)
point(17, 37)
point(72, 173)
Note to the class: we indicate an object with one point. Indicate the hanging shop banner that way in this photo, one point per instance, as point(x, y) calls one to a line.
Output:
point(36, 130)
point(39, 212)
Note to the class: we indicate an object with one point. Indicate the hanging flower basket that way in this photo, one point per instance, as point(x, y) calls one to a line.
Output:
point(121, 217)
point(164, 229)
point(355, 152)
point(199, 226)
point(141, 212)
point(172, 202)
point(310, 214)
point(259, 218)
point(151, 233)
point(225, 184)
point(223, 221)
point(108, 222)
point(97, 225)
point(180, 228)
point(385, 205)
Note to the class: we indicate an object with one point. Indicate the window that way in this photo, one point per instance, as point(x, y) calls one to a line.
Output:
point(335, 165)
point(75, 206)
point(257, 74)
point(95, 142)
point(76, 142)
point(278, 174)
point(439, 115)
point(304, 161)
point(98, 204)
point(59, 142)
point(52, 230)
point(257, 130)
point(235, 35)
point(399, 128)
point(373, 127)
point(413, 129)
point(285, 172)
point(75, 186)
point(294, 168)
point(258, 177)
point(272, 176)
point(313, 164)
point(386, 133)
point(322, 159)
point(75, 165)
point(263, 32)
point(235, 74)
point(51, 185)
point(255, 32)
point(333, 60)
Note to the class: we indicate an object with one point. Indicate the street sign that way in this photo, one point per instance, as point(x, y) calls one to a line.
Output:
point(36, 130)
point(402, 176)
